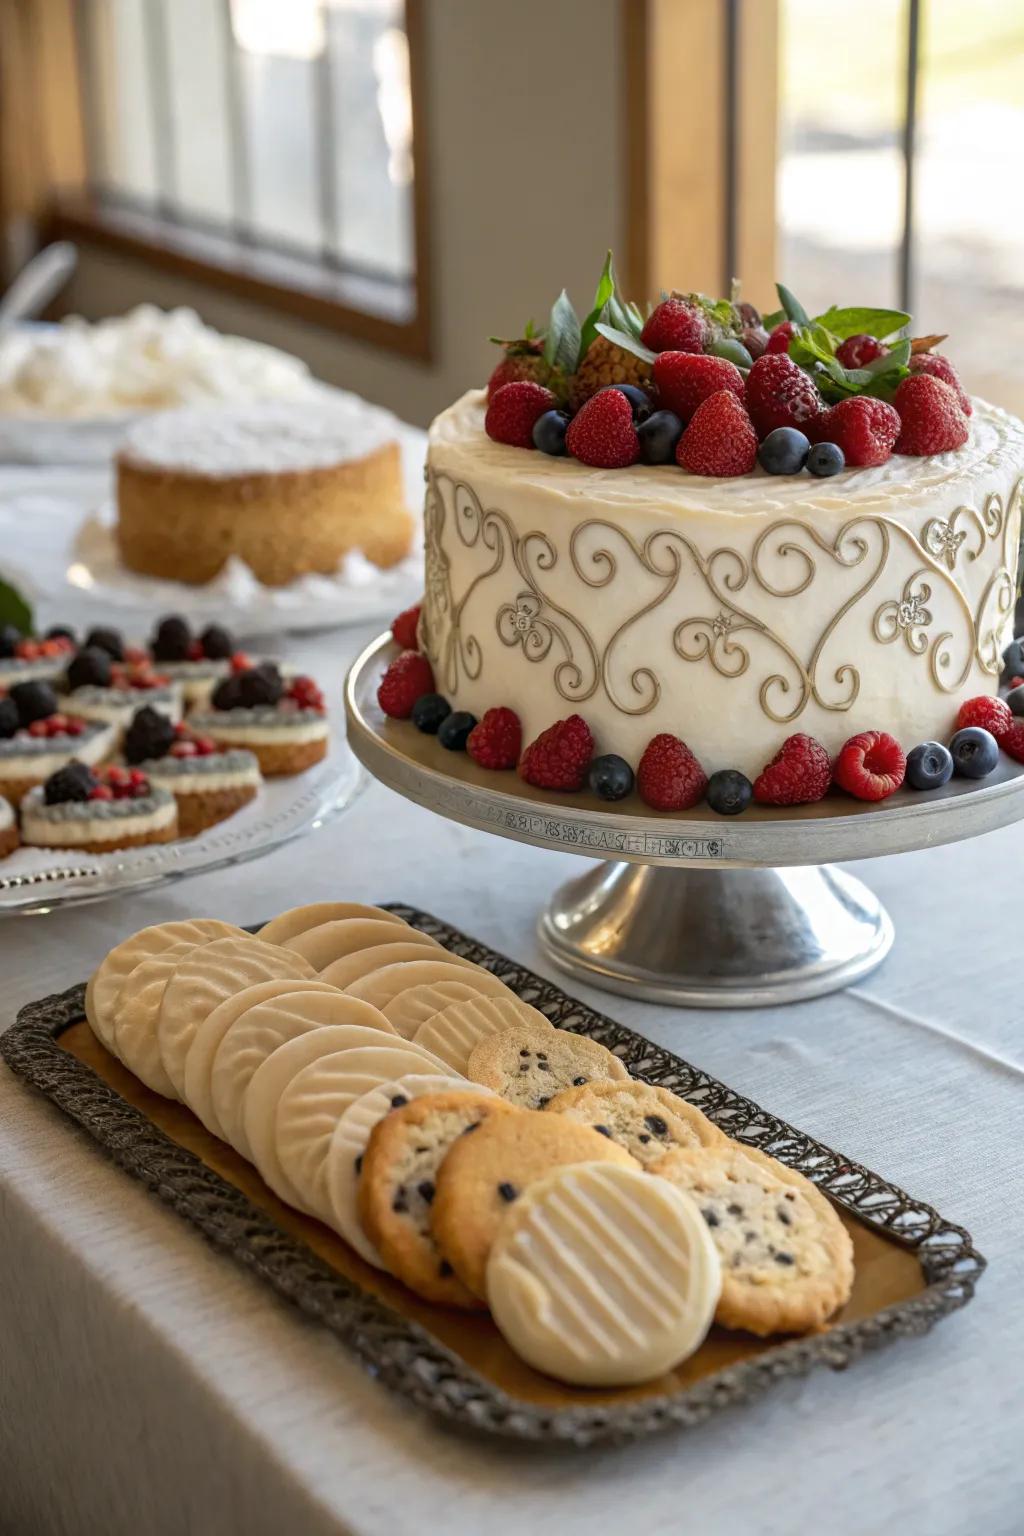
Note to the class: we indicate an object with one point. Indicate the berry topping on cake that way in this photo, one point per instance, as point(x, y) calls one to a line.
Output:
point(33, 701)
point(675, 325)
point(523, 360)
point(603, 434)
point(669, 777)
point(659, 436)
point(990, 713)
point(109, 640)
point(150, 734)
point(780, 394)
point(91, 668)
point(407, 679)
point(865, 429)
point(10, 639)
point(931, 420)
point(455, 730)
point(825, 460)
point(606, 364)
point(216, 643)
point(72, 782)
point(870, 766)
point(780, 338)
point(1015, 697)
point(610, 777)
point(404, 628)
point(929, 766)
point(798, 774)
point(560, 756)
point(720, 439)
point(514, 409)
point(1013, 741)
point(172, 639)
point(784, 451)
point(9, 721)
point(498, 739)
point(120, 784)
point(685, 380)
point(975, 751)
point(549, 433)
point(429, 711)
point(306, 693)
point(729, 792)
point(57, 725)
point(261, 685)
point(939, 367)
point(859, 350)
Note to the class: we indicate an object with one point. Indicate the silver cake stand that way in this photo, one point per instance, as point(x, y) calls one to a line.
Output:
point(703, 911)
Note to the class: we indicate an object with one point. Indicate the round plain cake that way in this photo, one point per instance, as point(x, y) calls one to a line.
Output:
point(730, 612)
point(288, 488)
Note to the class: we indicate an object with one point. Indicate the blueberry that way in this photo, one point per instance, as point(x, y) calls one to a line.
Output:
point(610, 777)
point(429, 711)
point(216, 642)
point(975, 752)
point(8, 718)
point(10, 639)
point(1013, 659)
point(453, 732)
point(784, 451)
point(60, 632)
point(638, 398)
point(149, 735)
point(260, 685)
point(825, 459)
point(33, 701)
point(89, 669)
point(109, 640)
point(171, 639)
point(1015, 699)
point(658, 436)
point(929, 766)
point(729, 792)
point(549, 432)
point(72, 782)
point(732, 350)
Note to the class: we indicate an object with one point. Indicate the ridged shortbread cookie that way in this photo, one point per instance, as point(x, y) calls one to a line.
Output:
point(787, 1259)
point(602, 1276)
point(454, 1033)
point(106, 982)
point(483, 1174)
point(398, 1182)
point(646, 1120)
point(328, 942)
point(135, 1019)
point(529, 1067)
point(298, 919)
point(381, 987)
point(418, 1004)
point(351, 968)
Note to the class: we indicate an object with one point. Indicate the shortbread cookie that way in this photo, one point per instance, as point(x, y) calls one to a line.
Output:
point(483, 1175)
point(646, 1120)
point(105, 984)
point(328, 942)
point(603, 1277)
point(205, 977)
point(453, 1033)
point(398, 1182)
point(352, 968)
point(138, 1008)
point(344, 1160)
point(787, 1259)
point(258, 1030)
point(418, 1004)
point(298, 919)
point(529, 1069)
point(380, 987)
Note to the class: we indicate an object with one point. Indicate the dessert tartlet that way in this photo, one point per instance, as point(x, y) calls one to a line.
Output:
point(90, 813)
point(99, 687)
point(208, 784)
point(25, 659)
point(195, 662)
point(36, 738)
point(281, 721)
point(9, 839)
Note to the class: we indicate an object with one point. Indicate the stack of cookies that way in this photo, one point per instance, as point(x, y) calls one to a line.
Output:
point(454, 1138)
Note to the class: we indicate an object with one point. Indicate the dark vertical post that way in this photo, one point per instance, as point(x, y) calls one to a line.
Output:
point(732, 107)
point(906, 271)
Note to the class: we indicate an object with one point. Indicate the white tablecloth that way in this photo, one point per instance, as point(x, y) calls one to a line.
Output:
point(147, 1385)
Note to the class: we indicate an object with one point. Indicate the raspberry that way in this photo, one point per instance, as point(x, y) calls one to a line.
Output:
point(205, 747)
point(75, 726)
point(858, 351)
point(719, 440)
point(779, 394)
point(101, 792)
point(870, 766)
point(523, 360)
point(781, 336)
point(39, 728)
point(990, 713)
point(669, 777)
point(403, 630)
point(560, 756)
point(497, 741)
point(240, 662)
point(513, 410)
point(602, 434)
point(675, 325)
point(1013, 741)
point(685, 380)
point(306, 693)
point(931, 421)
point(865, 429)
point(183, 747)
point(406, 680)
point(799, 773)
point(939, 367)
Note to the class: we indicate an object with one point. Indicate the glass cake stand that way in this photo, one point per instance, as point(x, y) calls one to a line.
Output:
point(703, 910)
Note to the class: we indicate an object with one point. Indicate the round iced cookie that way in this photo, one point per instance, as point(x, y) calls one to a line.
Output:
point(381, 987)
point(344, 1160)
point(352, 968)
point(418, 1004)
point(529, 1068)
point(264, 1028)
point(453, 1033)
point(398, 1183)
point(207, 1040)
point(138, 1008)
point(106, 981)
point(787, 1259)
point(328, 942)
point(603, 1277)
point(298, 919)
point(204, 978)
point(483, 1175)
point(646, 1120)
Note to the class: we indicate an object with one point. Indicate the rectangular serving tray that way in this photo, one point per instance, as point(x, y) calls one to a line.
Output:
point(912, 1266)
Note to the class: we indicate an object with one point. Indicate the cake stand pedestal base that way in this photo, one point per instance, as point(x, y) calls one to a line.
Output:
point(716, 938)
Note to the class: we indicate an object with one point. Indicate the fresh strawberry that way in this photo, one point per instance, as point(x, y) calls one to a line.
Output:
point(602, 433)
point(779, 394)
point(669, 777)
point(857, 351)
point(404, 628)
point(497, 740)
point(780, 338)
point(407, 679)
point(931, 420)
point(686, 379)
point(523, 360)
point(719, 440)
point(675, 325)
point(864, 428)
point(990, 713)
point(939, 367)
point(870, 766)
point(560, 756)
point(1013, 741)
point(798, 774)
point(513, 410)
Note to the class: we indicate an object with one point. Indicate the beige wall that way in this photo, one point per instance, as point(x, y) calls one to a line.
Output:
point(524, 102)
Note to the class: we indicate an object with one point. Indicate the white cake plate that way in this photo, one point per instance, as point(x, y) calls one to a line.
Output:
point(704, 911)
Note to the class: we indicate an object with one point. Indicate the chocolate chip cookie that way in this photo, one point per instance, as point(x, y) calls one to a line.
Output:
point(529, 1069)
point(646, 1120)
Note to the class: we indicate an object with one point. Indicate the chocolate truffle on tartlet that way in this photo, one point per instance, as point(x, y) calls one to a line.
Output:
point(97, 813)
point(9, 839)
point(36, 738)
point(282, 721)
point(208, 783)
point(197, 662)
point(98, 687)
point(26, 659)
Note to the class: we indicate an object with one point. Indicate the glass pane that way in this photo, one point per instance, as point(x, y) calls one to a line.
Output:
point(120, 125)
point(198, 71)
